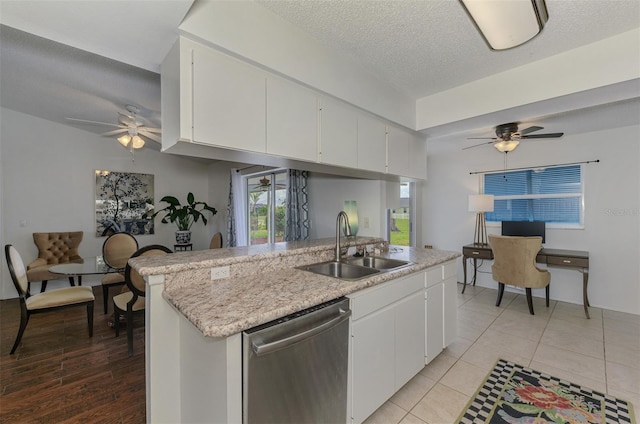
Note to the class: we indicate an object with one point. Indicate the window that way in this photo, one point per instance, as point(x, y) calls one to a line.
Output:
point(266, 207)
point(400, 220)
point(554, 195)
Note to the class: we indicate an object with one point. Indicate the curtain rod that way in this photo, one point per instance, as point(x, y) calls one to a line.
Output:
point(531, 167)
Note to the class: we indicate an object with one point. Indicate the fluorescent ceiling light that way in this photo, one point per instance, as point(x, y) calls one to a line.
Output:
point(507, 23)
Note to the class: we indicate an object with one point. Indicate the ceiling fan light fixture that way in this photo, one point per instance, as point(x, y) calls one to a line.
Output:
point(506, 146)
point(124, 140)
point(137, 142)
point(507, 24)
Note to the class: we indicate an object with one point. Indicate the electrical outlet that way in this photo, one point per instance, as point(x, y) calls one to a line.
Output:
point(220, 272)
point(428, 246)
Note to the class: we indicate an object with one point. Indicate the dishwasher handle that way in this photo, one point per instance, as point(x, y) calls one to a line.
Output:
point(263, 349)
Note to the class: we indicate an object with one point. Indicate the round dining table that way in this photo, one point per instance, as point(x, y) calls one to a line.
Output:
point(85, 266)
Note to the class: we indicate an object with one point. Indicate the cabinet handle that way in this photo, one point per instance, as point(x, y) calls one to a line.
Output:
point(566, 261)
point(475, 253)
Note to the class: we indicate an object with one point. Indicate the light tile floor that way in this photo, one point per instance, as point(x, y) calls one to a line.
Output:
point(602, 353)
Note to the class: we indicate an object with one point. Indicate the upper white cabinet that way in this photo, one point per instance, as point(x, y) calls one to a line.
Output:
point(372, 144)
point(228, 102)
point(292, 120)
point(397, 151)
point(338, 134)
point(417, 157)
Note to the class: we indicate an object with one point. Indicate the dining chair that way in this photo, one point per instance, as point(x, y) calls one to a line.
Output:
point(514, 263)
point(133, 301)
point(53, 248)
point(116, 251)
point(216, 241)
point(43, 302)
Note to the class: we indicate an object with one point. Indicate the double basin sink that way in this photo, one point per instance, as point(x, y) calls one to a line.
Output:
point(355, 268)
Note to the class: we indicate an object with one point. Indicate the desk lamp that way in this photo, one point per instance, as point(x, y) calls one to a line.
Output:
point(480, 203)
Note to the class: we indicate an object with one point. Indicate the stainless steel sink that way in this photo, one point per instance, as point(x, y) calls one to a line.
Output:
point(340, 270)
point(377, 262)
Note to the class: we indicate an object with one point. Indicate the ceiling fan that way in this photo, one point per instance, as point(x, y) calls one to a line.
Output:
point(507, 137)
point(264, 184)
point(132, 128)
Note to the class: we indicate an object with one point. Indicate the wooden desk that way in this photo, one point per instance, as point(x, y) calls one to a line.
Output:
point(551, 257)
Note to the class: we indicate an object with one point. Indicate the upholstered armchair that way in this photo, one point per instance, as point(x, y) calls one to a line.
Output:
point(514, 263)
point(53, 249)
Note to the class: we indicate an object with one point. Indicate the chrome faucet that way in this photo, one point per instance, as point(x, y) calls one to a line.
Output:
point(347, 231)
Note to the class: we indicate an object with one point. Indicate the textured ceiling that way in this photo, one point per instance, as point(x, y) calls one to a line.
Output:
point(427, 46)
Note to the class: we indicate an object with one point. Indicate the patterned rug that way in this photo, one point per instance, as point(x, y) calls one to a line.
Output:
point(515, 394)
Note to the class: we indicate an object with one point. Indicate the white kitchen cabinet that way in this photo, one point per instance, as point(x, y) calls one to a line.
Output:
point(387, 333)
point(372, 144)
point(229, 99)
point(292, 120)
point(417, 157)
point(441, 309)
point(397, 151)
point(338, 134)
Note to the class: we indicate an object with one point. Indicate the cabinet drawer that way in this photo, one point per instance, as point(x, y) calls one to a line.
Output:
point(450, 269)
point(477, 253)
point(378, 297)
point(567, 261)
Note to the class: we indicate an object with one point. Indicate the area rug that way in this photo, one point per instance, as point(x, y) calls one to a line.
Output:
point(514, 394)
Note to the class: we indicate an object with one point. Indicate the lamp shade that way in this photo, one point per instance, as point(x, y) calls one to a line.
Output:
point(481, 203)
point(506, 146)
point(507, 24)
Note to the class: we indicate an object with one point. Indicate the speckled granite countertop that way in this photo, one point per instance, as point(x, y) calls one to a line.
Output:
point(264, 284)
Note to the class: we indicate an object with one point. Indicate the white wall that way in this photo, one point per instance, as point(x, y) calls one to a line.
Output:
point(48, 181)
point(612, 209)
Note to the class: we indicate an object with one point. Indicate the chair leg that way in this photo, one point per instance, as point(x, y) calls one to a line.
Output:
point(43, 286)
point(500, 293)
point(72, 282)
point(130, 331)
point(116, 319)
point(546, 292)
point(24, 319)
point(105, 298)
point(530, 301)
point(90, 318)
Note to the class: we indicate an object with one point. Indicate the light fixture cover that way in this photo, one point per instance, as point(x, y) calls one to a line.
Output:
point(137, 142)
point(506, 146)
point(124, 139)
point(481, 203)
point(507, 23)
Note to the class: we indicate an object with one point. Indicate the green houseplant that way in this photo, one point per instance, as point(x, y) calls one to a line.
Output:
point(184, 215)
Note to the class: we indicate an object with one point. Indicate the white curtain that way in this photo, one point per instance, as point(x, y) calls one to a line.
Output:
point(237, 214)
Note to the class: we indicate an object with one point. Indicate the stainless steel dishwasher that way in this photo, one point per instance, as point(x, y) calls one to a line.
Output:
point(295, 368)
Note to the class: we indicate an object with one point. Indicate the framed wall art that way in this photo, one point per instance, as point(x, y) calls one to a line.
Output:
point(124, 202)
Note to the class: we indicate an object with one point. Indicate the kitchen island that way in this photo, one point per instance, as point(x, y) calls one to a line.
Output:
point(193, 322)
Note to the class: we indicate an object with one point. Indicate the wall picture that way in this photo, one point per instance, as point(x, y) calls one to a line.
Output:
point(124, 201)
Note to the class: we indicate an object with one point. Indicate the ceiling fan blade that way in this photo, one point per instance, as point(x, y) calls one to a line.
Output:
point(126, 119)
point(477, 145)
point(152, 130)
point(114, 132)
point(530, 130)
point(84, 121)
point(482, 138)
point(149, 135)
point(548, 135)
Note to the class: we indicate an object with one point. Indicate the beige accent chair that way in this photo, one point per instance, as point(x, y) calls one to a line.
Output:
point(514, 263)
point(216, 241)
point(133, 301)
point(53, 249)
point(43, 302)
point(116, 251)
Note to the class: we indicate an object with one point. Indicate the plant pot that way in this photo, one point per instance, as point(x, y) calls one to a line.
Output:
point(183, 237)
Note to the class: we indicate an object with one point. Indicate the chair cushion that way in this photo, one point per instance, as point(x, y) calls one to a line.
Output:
point(66, 296)
point(113, 278)
point(41, 273)
point(58, 248)
point(121, 301)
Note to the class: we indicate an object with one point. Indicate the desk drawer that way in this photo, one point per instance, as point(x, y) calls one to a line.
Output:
point(568, 261)
point(477, 253)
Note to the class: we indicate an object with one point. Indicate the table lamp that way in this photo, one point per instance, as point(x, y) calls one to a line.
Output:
point(480, 203)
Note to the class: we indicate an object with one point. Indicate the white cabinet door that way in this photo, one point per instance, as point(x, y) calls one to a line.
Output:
point(372, 144)
point(372, 371)
point(339, 134)
point(450, 313)
point(410, 333)
point(228, 102)
point(434, 324)
point(397, 151)
point(417, 157)
point(292, 120)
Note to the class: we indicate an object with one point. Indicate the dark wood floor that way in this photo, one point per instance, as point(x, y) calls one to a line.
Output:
point(59, 374)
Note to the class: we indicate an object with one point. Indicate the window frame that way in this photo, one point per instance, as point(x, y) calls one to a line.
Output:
point(272, 173)
point(556, 225)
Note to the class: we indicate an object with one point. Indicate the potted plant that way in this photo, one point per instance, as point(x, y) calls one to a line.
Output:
point(184, 215)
